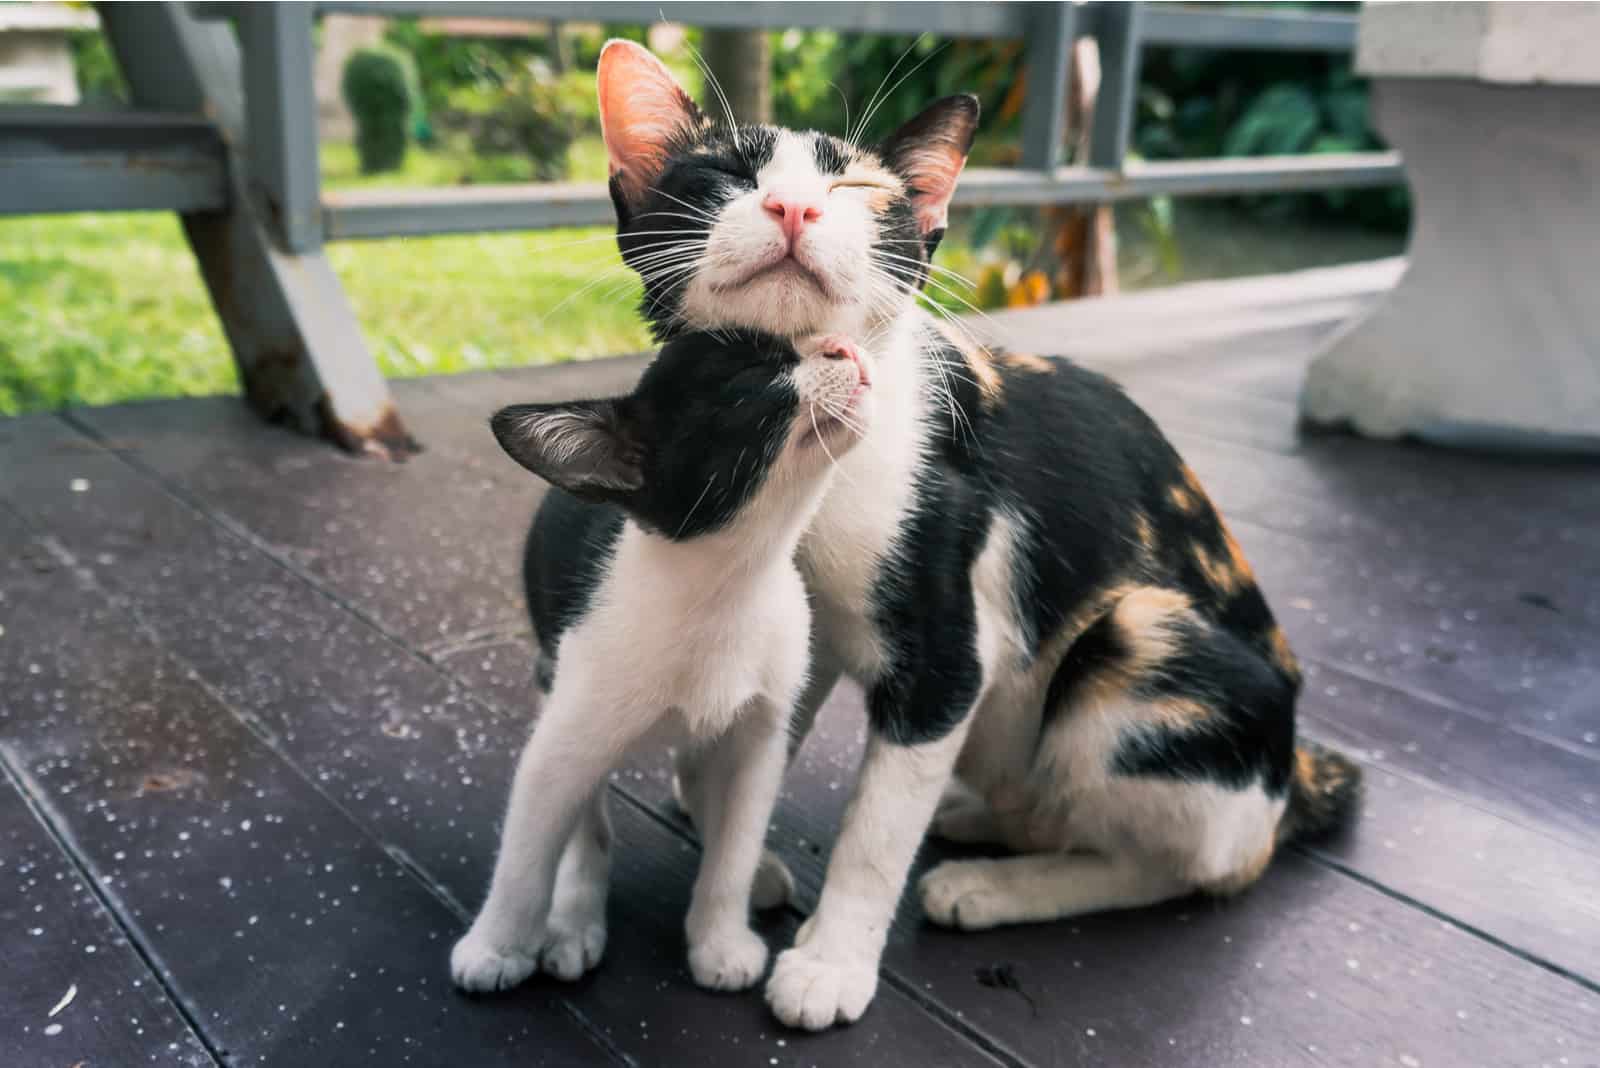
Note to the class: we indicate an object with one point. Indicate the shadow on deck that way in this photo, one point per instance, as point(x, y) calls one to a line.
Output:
point(260, 703)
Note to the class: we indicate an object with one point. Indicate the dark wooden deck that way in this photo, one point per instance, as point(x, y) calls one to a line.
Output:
point(260, 702)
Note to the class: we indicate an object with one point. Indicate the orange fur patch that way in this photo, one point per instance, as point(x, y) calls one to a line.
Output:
point(1236, 559)
point(1072, 628)
point(1181, 713)
point(1223, 576)
point(1183, 499)
point(1027, 361)
point(979, 362)
point(1282, 655)
point(1143, 617)
point(1145, 531)
point(990, 385)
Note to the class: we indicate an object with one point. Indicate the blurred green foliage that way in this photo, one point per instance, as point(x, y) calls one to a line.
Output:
point(1192, 103)
point(530, 122)
point(379, 86)
point(99, 79)
point(869, 85)
point(1196, 103)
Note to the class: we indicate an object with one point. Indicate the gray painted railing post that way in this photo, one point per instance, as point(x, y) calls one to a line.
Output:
point(281, 120)
point(1118, 36)
point(1049, 60)
point(299, 350)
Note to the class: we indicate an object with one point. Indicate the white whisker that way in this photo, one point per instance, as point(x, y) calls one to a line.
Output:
point(716, 87)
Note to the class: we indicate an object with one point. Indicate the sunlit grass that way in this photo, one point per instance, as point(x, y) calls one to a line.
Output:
point(104, 308)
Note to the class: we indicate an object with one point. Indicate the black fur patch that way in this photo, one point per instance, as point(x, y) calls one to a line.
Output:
point(710, 415)
point(714, 412)
point(832, 155)
point(922, 602)
point(566, 556)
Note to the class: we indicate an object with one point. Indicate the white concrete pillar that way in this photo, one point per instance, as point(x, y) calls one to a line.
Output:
point(1492, 337)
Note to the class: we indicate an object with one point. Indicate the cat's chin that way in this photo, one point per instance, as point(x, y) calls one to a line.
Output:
point(781, 302)
point(784, 305)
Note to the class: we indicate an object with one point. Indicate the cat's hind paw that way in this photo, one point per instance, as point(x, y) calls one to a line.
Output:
point(963, 895)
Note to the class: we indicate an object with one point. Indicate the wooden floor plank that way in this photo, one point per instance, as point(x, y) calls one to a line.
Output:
point(1419, 624)
point(1294, 570)
point(1174, 985)
point(1525, 779)
point(425, 769)
point(946, 962)
point(60, 947)
point(1495, 778)
point(1305, 969)
point(283, 930)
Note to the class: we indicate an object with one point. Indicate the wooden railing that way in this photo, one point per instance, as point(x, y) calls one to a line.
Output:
point(227, 136)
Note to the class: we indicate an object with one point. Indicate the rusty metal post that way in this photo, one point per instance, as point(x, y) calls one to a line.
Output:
point(301, 357)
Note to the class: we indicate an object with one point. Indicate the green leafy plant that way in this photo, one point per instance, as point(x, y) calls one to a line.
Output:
point(1197, 103)
point(522, 130)
point(379, 88)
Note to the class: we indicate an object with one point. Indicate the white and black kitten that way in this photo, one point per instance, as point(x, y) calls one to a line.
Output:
point(663, 590)
point(1031, 587)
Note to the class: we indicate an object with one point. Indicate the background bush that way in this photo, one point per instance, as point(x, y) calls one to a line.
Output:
point(379, 88)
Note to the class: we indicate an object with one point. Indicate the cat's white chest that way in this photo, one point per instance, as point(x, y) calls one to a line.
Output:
point(658, 641)
point(854, 534)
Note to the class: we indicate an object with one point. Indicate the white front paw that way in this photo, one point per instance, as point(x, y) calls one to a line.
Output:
point(573, 946)
point(963, 894)
point(479, 965)
point(813, 991)
point(734, 959)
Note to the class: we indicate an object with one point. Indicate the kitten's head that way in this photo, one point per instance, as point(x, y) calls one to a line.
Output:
point(765, 228)
point(722, 427)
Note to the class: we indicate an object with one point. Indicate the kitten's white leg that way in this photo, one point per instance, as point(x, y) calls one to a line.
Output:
point(570, 752)
point(740, 781)
point(831, 973)
point(774, 885)
point(577, 930)
point(1037, 887)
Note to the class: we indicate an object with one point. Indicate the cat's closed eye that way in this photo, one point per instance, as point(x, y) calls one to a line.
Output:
point(733, 172)
point(858, 183)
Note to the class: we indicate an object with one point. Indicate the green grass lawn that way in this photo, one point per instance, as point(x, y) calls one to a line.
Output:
point(103, 308)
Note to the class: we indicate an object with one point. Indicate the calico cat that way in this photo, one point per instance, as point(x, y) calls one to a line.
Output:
point(1030, 585)
point(663, 591)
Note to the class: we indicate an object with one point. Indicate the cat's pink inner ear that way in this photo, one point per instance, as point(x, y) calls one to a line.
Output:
point(643, 110)
point(929, 151)
point(934, 169)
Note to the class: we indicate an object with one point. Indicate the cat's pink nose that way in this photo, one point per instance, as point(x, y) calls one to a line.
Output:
point(792, 213)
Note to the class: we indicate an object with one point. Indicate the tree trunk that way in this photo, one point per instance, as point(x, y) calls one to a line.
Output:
point(740, 61)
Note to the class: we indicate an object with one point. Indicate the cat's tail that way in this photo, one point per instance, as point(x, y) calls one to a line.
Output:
point(1324, 792)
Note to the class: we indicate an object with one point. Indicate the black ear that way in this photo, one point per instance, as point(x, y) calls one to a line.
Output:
point(584, 447)
point(929, 152)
